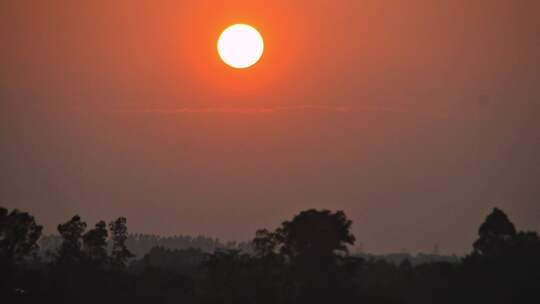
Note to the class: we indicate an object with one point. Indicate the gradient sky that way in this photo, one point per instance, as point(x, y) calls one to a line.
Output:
point(415, 117)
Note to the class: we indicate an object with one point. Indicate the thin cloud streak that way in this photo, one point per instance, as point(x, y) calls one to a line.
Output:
point(277, 109)
point(241, 110)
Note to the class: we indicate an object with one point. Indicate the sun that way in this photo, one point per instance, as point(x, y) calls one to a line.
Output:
point(240, 46)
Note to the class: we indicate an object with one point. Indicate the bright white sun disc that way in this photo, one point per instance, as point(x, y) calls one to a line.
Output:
point(240, 46)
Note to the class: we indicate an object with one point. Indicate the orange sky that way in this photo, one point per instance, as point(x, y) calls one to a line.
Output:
point(406, 114)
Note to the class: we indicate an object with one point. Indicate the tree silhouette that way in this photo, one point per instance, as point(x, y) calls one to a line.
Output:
point(495, 234)
point(265, 243)
point(18, 235)
point(70, 251)
point(120, 253)
point(505, 263)
point(95, 244)
point(315, 235)
point(314, 243)
point(312, 235)
point(304, 260)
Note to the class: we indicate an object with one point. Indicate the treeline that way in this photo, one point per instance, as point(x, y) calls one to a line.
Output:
point(305, 260)
point(415, 259)
point(140, 244)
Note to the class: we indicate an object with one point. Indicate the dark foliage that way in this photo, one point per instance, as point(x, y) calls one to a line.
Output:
point(120, 253)
point(95, 245)
point(70, 251)
point(18, 236)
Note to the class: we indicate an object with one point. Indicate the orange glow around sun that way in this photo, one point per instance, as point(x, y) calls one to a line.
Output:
point(208, 71)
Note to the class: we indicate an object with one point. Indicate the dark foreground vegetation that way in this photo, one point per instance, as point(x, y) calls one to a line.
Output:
point(305, 260)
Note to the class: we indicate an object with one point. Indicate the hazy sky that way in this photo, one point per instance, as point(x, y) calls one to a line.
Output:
point(415, 117)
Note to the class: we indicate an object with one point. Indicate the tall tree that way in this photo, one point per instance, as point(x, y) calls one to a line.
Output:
point(120, 253)
point(95, 244)
point(70, 250)
point(316, 236)
point(18, 235)
point(315, 243)
point(495, 234)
